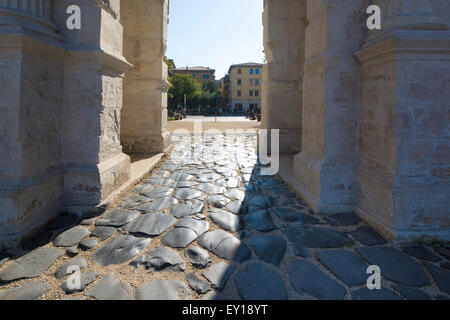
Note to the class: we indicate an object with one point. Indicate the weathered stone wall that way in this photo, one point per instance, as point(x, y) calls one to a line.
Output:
point(93, 159)
point(31, 94)
point(284, 31)
point(325, 169)
point(144, 118)
point(403, 174)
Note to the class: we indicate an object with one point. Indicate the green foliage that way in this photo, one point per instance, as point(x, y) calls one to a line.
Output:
point(210, 86)
point(184, 84)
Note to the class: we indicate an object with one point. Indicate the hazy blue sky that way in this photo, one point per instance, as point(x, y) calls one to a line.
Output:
point(215, 33)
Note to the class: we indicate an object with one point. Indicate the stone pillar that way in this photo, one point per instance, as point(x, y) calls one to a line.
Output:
point(284, 30)
point(31, 72)
point(325, 169)
point(144, 118)
point(94, 163)
point(403, 175)
point(31, 15)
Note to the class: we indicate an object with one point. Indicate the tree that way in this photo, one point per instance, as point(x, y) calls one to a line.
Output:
point(210, 86)
point(184, 84)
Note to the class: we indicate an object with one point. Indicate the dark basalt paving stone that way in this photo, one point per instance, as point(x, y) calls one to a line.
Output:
point(300, 251)
point(346, 219)
point(118, 218)
point(163, 174)
point(161, 258)
point(197, 225)
point(3, 260)
point(237, 207)
point(182, 210)
point(169, 183)
point(88, 222)
point(443, 251)
point(199, 286)
point(209, 177)
point(211, 188)
point(395, 265)
point(198, 257)
point(86, 279)
point(445, 265)
point(133, 201)
point(71, 237)
point(103, 233)
point(258, 282)
point(422, 253)
point(184, 194)
point(163, 290)
point(39, 240)
point(70, 267)
point(29, 291)
point(269, 248)
point(72, 251)
point(158, 205)
point(156, 193)
point(228, 182)
point(225, 245)
point(219, 274)
point(197, 207)
point(317, 237)
point(367, 236)
point(383, 294)
point(411, 293)
point(179, 176)
point(217, 201)
point(260, 220)
point(64, 221)
point(260, 202)
point(440, 276)
point(226, 220)
point(31, 265)
point(186, 184)
point(119, 250)
point(88, 244)
point(345, 265)
point(179, 237)
point(109, 288)
point(235, 194)
point(290, 214)
point(307, 278)
point(151, 224)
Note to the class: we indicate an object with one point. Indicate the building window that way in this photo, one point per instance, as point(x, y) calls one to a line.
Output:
point(256, 93)
point(251, 71)
point(239, 82)
point(256, 82)
point(256, 71)
point(250, 93)
point(239, 93)
point(206, 76)
point(193, 75)
point(239, 71)
point(251, 82)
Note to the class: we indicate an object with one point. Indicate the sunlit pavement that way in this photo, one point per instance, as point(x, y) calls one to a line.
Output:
point(206, 225)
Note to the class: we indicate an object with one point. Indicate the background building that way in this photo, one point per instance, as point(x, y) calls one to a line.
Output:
point(245, 86)
point(201, 74)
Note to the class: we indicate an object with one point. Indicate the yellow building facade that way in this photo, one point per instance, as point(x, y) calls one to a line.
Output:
point(245, 86)
point(201, 74)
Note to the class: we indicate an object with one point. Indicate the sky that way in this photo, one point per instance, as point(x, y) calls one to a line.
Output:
point(215, 33)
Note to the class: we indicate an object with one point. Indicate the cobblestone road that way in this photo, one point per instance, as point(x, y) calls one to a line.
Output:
point(207, 225)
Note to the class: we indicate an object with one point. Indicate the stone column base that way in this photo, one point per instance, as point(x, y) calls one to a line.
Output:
point(89, 186)
point(317, 185)
point(146, 143)
point(25, 208)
